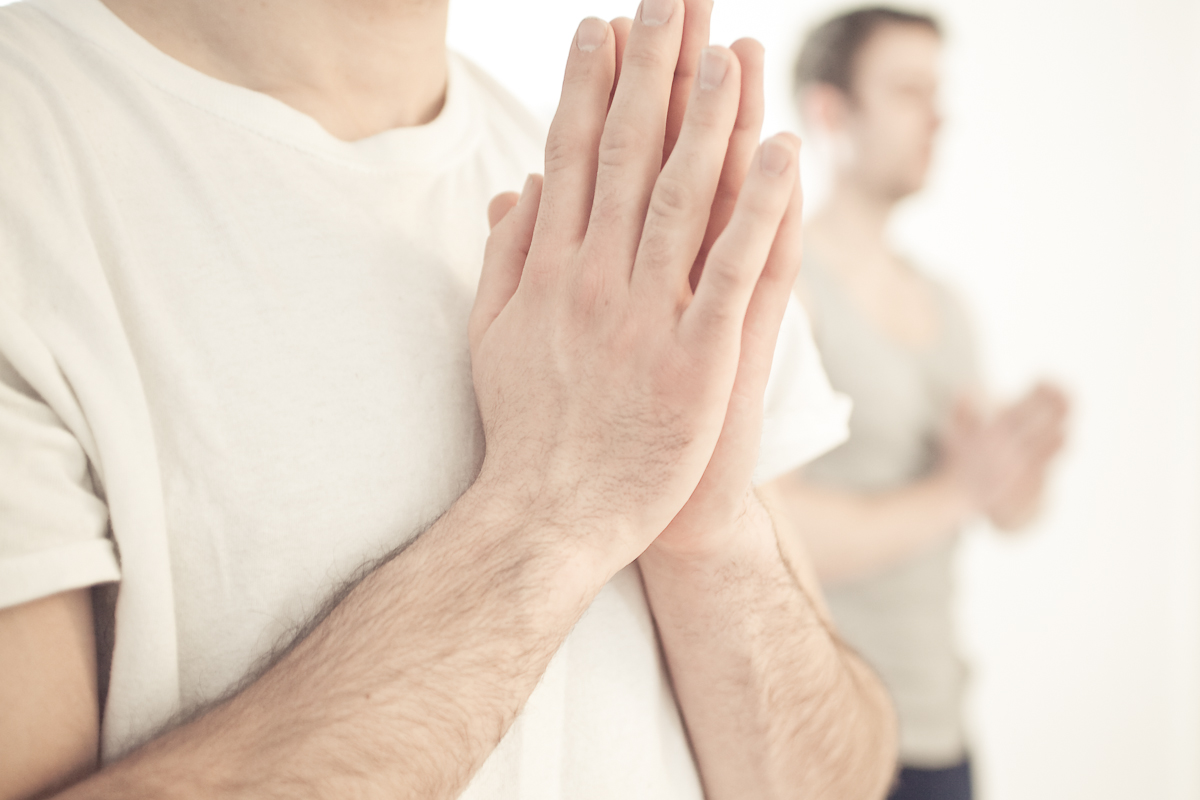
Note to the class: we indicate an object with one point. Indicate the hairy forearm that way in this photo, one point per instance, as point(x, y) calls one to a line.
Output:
point(404, 689)
point(853, 534)
point(775, 705)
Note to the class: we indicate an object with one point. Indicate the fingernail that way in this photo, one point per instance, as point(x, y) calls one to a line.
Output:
point(775, 157)
point(592, 33)
point(657, 12)
point(714, 63)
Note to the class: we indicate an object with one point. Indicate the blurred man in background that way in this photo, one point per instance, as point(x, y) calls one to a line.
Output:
point(881, 514)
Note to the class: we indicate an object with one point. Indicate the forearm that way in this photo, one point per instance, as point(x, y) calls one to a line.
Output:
point(774, 704)
point(404, 689)
point(852, 534)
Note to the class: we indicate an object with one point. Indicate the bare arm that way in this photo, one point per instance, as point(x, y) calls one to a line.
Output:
point(853, 534)
point(48, 728)
point(776, 706)
point(995, 468)
point(405, 688)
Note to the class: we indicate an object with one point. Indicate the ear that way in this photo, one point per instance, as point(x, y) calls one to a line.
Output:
point(823, 107)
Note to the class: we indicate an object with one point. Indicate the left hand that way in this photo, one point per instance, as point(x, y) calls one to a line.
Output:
point(1037, 424)
point(710, 518)
point(1001, 462)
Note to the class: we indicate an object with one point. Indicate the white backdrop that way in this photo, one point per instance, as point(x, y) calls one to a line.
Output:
point(1066, 207)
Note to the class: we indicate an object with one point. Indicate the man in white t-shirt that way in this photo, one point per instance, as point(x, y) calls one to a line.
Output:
point(250, 396)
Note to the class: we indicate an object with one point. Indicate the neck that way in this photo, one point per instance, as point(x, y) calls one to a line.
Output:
point(358, 67)
point(851, 226)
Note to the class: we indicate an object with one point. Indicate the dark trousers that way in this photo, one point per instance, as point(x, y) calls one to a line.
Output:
point(952, 783)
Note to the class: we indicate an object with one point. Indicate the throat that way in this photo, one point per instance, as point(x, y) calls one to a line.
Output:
point(358, 67)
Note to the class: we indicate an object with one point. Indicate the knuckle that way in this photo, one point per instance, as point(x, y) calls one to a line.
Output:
point(723, 272)
point(620, 143)
point(645, 58)
point(562, 150)
point(672, 197)
point(763, 206)
point(588, 293)
point(709, 114)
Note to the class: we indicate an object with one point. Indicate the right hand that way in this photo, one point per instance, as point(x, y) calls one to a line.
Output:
point(602, 378)
point(1001, 463)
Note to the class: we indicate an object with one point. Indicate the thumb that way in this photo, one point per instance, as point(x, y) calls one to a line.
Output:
point(504, 258)
point(500, 206)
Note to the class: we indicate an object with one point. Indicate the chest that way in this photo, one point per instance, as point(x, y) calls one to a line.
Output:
point(896, 302)
point(902, 393)
point(301, 344)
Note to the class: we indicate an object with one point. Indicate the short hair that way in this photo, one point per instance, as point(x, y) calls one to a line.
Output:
point(830, 51)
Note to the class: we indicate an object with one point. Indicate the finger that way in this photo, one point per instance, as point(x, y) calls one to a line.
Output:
point(697, 18)
point(504, 256)
point(1040, 452)
point(500, 206)
point(1036, 418)
point(742, 144)
point(620, 28)
point(1042, 440)
point(768, 303)
point(1016, 420)
point(738, 256)
point(1055, 397)
point(574, 135)
point(965, 421)
point(630, 151)
point(683, 193)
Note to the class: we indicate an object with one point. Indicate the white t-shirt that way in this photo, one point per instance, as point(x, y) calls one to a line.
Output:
point(234, 370)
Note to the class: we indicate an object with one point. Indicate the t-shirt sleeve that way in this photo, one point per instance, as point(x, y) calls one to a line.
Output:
point(803, 417)
point(53, 526)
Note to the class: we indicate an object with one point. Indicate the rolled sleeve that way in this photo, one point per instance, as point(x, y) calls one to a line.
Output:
point(53, 526)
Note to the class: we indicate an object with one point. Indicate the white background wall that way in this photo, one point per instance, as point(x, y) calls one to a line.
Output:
point(1066, 207)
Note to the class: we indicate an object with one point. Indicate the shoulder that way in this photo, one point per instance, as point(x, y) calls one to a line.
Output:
point(44, 125)
point(27, 45)
point(39, 55)
point(39, 81)
point(950, 301)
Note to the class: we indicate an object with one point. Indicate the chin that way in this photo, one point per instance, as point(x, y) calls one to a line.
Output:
point(905, 188)
point(913, 182)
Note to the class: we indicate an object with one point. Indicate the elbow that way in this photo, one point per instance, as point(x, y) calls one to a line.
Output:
point(872, 745)
point(879, 758)
point(848, 748)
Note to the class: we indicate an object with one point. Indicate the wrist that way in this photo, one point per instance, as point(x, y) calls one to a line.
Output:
point(749, 534)
point(591, 545)
point(958, 499)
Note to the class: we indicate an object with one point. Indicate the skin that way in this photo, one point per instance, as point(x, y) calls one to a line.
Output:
point(621, 340)
point(49, 729)
point(877, 142)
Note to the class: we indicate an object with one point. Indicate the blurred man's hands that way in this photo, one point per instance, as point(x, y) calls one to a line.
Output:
point(1001, 462)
